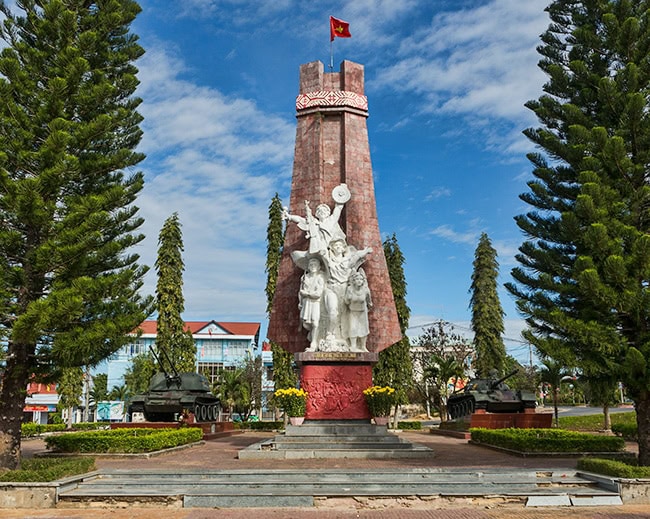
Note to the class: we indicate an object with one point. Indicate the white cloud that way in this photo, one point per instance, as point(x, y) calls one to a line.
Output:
point(373, 21)
point(447, 232)
point(217, 161)
point(438, 192)
point(477, 63)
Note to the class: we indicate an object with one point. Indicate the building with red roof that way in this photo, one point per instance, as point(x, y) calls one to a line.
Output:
point(219, 345)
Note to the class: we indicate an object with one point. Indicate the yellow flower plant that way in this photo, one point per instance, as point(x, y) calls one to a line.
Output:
point(380, 400)
point(292, 401)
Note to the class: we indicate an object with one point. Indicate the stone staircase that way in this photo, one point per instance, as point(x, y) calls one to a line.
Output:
point(323, 439)
point(322, 488)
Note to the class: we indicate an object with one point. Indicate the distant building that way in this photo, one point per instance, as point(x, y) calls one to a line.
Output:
point(268, 385)
point(219, 346)
point(40, 402)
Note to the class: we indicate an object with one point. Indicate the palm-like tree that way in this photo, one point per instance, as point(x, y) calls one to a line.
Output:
point(120, 392)
point(552, 373)
point(228, 388)
point(438, 373)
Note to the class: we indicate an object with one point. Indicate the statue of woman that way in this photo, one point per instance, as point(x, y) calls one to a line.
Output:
point(312, 285)
point(358, 300)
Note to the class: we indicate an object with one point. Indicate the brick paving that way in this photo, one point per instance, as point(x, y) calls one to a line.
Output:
point(449, 453)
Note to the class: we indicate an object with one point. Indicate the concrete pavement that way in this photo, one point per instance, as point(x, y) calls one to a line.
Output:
point(449, 453)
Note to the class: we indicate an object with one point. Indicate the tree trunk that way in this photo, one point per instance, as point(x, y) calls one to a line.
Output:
point(556, 411)
point(608, 418)
point(642, 406)
point(12, 402)
point(395, 416)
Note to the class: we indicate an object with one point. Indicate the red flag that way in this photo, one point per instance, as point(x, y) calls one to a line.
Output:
point(339, 28)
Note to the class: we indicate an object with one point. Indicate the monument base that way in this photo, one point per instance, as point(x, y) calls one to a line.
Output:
point(335, 382)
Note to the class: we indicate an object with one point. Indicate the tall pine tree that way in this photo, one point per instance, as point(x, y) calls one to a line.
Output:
point(173, 342)
point(284, 375)
point(585, 266)
point(68, 130)
point(487, 313)
point(395, 368)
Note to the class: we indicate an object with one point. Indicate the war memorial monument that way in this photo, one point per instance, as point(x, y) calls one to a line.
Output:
point(333, 305)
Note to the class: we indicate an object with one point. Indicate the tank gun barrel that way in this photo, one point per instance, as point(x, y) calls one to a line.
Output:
point(161, 352)
point(496, 383)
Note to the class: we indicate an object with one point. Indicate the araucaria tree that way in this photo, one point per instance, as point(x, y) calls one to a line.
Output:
point(487, 313)
point(394, 367)
point(583, 284)
point(68, 131)
point(173, 342)
point(284, 375)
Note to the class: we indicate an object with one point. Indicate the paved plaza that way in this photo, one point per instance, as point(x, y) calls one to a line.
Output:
point(449, 453)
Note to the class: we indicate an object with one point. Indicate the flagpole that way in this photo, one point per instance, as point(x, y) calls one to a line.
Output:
point(331, 55)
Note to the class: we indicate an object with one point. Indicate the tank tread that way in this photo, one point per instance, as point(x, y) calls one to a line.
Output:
point(460, 407)
point(206, 411)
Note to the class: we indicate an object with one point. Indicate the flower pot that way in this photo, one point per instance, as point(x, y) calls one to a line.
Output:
point(381, 420)
point(296, 420)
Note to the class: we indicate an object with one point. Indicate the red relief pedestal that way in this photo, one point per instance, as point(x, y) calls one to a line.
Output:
point(335, 382)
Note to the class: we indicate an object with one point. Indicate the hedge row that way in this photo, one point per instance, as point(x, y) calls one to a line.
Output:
point(628, 431)
point(547, 440)
point(48, 469)
point(617, 469)
point(414, 426)
point(123, 440)
point(34, 429)
point(259, 426)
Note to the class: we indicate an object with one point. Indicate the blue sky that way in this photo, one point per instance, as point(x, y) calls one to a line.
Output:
point(446, 82)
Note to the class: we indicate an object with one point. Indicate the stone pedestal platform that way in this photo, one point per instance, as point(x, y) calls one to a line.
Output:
point(335, 382)
point(331, 439)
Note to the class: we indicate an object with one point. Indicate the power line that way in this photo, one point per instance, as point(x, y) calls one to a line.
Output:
point(464, 328)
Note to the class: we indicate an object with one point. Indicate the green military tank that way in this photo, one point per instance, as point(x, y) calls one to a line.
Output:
point(172, 394)
point(490, 394)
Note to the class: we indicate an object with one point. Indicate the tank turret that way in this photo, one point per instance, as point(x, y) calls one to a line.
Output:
point(172, 394)
point(490, 394)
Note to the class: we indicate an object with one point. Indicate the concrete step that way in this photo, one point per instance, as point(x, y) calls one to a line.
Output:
point(378, 439)
point(244, 488)
point(291, 443)
point(315, 428)
point(321, 439)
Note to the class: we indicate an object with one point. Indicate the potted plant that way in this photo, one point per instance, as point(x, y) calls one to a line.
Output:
point(380, 400)
point(293, 402)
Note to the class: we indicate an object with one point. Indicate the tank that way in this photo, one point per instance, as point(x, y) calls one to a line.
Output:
point(169, 395)
point(490, 394)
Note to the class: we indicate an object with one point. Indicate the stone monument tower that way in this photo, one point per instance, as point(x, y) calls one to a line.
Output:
point(333, 304)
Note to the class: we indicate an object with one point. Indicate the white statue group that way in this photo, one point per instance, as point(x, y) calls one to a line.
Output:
point(334, 297)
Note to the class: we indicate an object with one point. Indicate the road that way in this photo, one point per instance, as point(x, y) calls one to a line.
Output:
point(584, 410)
point(562, 410)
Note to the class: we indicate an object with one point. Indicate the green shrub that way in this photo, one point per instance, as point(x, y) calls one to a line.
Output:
point(414, 426)
point(547, 440)
point(48, 469)
point(617, 469)
point(260, 426)
point(628, 431)
point(124, 440)
point(88, 426)
point(34, 429)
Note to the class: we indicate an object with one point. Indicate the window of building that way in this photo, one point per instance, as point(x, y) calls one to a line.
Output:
point(211, 370)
